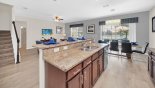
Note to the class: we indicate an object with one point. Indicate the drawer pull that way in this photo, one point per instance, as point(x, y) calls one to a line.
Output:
point(77, 71)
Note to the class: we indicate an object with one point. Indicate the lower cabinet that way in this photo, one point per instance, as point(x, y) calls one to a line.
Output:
point(97, 67)
point(153, 69)
point(151, 65)
point(101, 64)
point(95, 71)
point(76, 82)
point(87, 77)
point(83, 75)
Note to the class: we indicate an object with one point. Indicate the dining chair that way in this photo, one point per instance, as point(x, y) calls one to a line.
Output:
point(114, 40)
point(142, 52)
point(126, 47)
point(105, 41)
point(123, 40)
point(114, 46)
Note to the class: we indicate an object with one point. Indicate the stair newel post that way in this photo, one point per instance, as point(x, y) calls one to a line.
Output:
point(13, 22)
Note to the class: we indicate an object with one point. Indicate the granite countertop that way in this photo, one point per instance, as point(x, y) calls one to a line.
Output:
point(66, 60)
point(42, 46)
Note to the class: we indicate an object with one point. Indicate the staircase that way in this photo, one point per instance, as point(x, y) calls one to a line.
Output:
point(6, 49)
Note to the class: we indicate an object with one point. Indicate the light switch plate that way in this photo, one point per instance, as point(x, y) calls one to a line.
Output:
point(56, 49)
point(65, 47)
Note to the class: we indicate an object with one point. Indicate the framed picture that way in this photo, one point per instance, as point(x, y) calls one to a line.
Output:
point(91, 29)
point(153, 24)
point(47, 31)
point(59, 30)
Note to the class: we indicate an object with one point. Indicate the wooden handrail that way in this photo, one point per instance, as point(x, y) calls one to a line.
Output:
point(13, 22)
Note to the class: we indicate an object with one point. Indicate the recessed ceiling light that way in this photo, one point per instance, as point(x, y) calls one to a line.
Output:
point(112, 10)
point(55, 0)
point(25, 8)
point(105, 6)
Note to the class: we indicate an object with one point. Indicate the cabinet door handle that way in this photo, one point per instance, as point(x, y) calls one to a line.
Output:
point(76, 71)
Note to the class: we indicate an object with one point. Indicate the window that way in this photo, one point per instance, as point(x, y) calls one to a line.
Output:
point(114, 32)
point(76, 32)
point(113, 29)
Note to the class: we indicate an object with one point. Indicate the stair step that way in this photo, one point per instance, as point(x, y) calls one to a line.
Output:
point(7, 55)
point(5, 38)
point(5, 46)
point(5, 34)
point(5, 42)
point(8, 50)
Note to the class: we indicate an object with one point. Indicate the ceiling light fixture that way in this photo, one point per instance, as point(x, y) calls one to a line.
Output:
point(58, 19)
point(25, 8)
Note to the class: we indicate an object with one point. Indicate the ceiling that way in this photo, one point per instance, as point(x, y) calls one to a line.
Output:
point(77, 10)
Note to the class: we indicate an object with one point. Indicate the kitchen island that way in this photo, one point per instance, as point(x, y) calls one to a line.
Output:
point(67, 65)
point(151, 63)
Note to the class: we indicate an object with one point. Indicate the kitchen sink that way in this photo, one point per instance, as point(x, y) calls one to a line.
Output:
point(88, 48)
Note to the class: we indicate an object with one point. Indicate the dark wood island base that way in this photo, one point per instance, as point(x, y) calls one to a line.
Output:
point(83, 75)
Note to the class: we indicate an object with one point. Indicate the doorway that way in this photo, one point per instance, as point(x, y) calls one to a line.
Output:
point(22, 33)
point(23, 38)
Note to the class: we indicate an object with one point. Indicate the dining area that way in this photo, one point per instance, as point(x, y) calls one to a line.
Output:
point(124, 47)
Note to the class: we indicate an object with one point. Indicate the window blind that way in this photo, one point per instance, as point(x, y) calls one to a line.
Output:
point(76, 25)
point(129, 20)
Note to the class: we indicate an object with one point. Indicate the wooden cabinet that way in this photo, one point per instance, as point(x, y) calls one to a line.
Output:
point(71, 73)
point(95, 70)
point(87, 77)
point(97, 66)
point(151, 65)
point(76, 82)
point(101, 64)
point(153, 69)
point(83, 75)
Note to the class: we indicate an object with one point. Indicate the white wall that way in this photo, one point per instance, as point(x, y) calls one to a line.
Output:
point(152, 34)
point(5, 16)
point(142, 27)
point(34, 27)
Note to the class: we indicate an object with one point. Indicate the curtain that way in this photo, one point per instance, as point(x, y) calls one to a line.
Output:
point(132, 32)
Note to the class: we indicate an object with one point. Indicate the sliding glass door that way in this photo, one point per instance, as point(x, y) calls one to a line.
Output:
point(114, 30)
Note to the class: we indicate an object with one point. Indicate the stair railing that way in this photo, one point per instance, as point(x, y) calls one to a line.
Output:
point(13, 22)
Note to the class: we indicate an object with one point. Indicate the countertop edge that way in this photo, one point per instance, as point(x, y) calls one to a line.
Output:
point(66, 70)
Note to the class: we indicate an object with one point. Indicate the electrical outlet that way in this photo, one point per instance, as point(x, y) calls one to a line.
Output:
point(56, 49)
